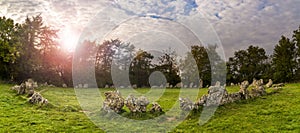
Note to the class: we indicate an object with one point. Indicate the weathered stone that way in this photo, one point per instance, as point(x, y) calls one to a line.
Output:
point(278, 85)
point(22, 89)
point(179, 85)
point(186, 104)
point(37, 98)
point(258, 90)
point(200, 83)
point(269, 84)
point(64, 86)
point(191, 85)
point(215, 95)
point(80, 86)
point(106, 86)
point(136, 104)
point(231, 84)
point(162, 86)
point(16, 87)
point(253, 82)
point(155, 108)
point(134, 86)
point(51, 85)
point(167, 85)
point(201, 101)
point(113, 102)
point(86, 86)
point(218, 83)
point(243, 90)
point(30, 92)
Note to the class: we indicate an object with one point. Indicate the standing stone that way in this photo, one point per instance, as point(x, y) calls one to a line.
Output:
point(86, 86)
point(37, 98)
point(161, 86)
point(200, 83)
point(231, 84)
point(191, 85)
point(106, 86)
point(253, 82)
point(22, 89)
point(259, 89)
point(269, 84)
point(64, 86)
point(186, 104)
point(16, 87)
point(243, 90)
point(261, 81)
point(179, 85)
point(218, 83)
point(79, 85)
point(134, 86)
point(113, 102)
point(168, 85)
point(215, 95)
point(155, 108)
point(136, 104)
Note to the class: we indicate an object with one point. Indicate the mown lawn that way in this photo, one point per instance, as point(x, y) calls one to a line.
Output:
point(279, 112)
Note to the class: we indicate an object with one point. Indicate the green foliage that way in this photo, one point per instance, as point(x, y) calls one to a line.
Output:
point(140, 69)
point(8, 46)
point(248, 64)
point(284, 60)
point(202, 63)
point(169, 67)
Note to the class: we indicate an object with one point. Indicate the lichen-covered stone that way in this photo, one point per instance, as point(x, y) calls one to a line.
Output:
point(269, 84)
point(136, 104)
point(278, 85)
point(215, 95)
point(113, 102)
point(244, 90)
point(22, 89)
point(186, 104)
point(156, 108)
point(37, 98)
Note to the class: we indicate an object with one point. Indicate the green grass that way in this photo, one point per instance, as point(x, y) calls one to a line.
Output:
point(279, 112)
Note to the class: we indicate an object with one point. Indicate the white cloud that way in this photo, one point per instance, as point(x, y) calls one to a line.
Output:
point(239, 23)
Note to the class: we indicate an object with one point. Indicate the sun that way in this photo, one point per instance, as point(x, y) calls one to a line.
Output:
point(69, 40)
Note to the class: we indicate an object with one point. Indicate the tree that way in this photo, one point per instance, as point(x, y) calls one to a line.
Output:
point(296, 40)
point(8, 46)
point(284, 60)
point(140, 69)
point(247, 64)
point(37, 48)
point(168, 66)
point(113, 55)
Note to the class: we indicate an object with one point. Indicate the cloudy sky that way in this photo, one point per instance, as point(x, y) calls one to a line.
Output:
point(238, 23)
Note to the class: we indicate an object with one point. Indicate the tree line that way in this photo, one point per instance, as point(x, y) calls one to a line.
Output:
point(31, 50)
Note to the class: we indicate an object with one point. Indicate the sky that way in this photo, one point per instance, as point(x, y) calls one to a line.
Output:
point(238, 23)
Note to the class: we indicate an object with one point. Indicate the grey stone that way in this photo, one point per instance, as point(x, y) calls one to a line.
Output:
point(136, 104)
point(269, 84)
point(113, 102)
point(37, 98)
point(155, 108)
point(186, 104)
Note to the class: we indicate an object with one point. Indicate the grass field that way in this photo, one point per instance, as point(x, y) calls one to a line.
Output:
point(279, 112)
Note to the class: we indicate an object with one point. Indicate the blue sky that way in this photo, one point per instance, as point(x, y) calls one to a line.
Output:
point(239, 23)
